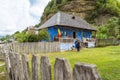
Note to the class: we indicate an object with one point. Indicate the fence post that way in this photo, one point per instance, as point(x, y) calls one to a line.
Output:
point(35, 68)
point(62, 69)
point(16, 69)
point(84, 71)
point(45, 68)
point(12, 69)
point(8, 65)
point(19, 69)
point(25, 67)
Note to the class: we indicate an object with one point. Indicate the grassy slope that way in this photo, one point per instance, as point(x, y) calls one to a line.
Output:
point(107, 60)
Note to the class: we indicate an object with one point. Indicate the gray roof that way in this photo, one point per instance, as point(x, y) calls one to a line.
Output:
point(64, 19)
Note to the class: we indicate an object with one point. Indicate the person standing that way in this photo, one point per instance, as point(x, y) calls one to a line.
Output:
point(77, 45)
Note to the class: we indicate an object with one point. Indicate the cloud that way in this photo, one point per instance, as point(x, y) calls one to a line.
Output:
point(16, 15)
point(37, 7)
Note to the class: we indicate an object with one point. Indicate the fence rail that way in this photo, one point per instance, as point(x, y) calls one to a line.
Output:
point(107, 42)
point(36, 47)
point(19, 69)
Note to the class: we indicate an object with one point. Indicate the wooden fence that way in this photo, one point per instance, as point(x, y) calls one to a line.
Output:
point(107, 42)
point(36, 47)
point(18, 68)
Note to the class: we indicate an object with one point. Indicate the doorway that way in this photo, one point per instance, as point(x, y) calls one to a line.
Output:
point(74, 35)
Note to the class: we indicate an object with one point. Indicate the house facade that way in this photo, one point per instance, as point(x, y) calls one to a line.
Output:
point(70, 26)
point(68, 32)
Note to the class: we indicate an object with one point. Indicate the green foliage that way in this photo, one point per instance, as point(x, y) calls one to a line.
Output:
point(118, 36)
point(3, 38)
point(53, 7)
point(113, 27)
point(110, 30)
point(32, 38)
point(25, 37)
point(21, 37)
point(16, 32)
point(102, 33)
point(6, 38)
point(113, 7)
point(109, 6)
point(43, 35)
point(103, 7)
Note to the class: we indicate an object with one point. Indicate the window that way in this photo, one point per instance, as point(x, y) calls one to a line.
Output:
point(74, 34)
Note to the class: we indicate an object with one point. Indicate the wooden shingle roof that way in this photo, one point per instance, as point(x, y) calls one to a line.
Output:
point(65, 19)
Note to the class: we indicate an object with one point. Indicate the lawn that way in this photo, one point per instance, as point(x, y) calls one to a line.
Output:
point(2, 71)
point(107, 60)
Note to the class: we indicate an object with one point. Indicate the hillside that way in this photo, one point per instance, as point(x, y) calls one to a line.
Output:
point(94, 11)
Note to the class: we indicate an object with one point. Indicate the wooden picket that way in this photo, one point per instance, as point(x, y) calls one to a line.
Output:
point(45, 68)
point(35, 74)
point(84, 71)
point(19, 69)
point(62, 69)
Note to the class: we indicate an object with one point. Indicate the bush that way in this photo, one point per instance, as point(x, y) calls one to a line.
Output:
point(43, 35)
point(110, 30)
point(118, 37)
point(32, 38)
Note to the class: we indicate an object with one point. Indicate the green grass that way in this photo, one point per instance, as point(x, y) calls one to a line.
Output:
point(2, 71)
point(107, 60)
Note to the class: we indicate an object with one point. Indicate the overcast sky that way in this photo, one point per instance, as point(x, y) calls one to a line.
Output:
point(16, 15)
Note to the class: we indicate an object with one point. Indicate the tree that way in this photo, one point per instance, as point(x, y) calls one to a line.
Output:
point(25, 37)
point(21, 37)
point(43, 35)
point(113, 27)
point(102, 33)
point(32, 38)
point(110, 30)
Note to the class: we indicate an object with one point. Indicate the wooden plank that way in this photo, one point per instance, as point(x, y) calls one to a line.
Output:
point(16, 66)
point(45, 68)
point(62, 69)
point(12, 69)
point(26, 68)
point(35, 75)
point(78, 72)
point(84, 71)
point(8, 65)
point(19, 68)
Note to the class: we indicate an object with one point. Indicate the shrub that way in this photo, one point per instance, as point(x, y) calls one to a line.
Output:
point(43, 35)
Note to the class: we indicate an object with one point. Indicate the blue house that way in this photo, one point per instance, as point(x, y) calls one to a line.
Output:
point(70, 26)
